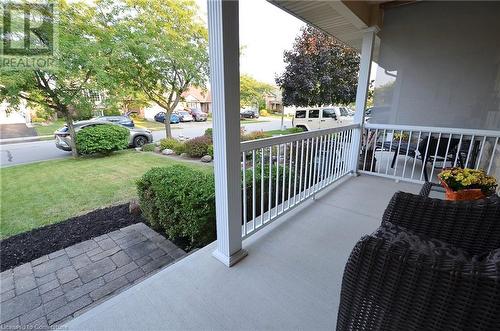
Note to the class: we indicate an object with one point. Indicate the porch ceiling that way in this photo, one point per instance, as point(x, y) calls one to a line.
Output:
point(345, 20)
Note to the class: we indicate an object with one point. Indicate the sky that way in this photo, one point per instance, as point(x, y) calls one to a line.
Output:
point(265, 33)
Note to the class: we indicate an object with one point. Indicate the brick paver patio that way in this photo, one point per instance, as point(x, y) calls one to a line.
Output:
point(57, 287)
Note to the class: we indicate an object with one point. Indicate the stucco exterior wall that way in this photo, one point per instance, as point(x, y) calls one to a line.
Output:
point(439, 65)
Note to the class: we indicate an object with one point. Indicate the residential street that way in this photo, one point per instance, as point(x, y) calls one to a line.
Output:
point(19, 153)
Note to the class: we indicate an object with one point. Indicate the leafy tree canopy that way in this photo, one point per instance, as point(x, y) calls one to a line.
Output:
point(252, 92)
point(159, 48)
point(61, 86)
point(320, 70)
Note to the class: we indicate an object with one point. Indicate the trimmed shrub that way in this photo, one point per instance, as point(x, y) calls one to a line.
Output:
point(209, 132)
point(198, 147)
point(148, 148)
point(263, 112)
point(255, 135)
point(102, 139)
point(180, 148)
point(38, 120)
point(169, 143)
point(210, 151)
point(179, 201)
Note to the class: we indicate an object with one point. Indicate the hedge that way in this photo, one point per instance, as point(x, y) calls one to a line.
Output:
point(102, 139)
point(198, 147)
point(180, 201)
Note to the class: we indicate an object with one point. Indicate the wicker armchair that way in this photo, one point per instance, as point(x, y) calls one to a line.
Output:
point(391, 287)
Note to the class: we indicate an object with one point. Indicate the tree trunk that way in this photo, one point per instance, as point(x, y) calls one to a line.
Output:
point(72, 134)
point(168, 129)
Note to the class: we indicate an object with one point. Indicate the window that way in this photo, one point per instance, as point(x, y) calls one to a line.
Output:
point(314, 113)
point(329, 113)
point(300, 114)
point(343, 112)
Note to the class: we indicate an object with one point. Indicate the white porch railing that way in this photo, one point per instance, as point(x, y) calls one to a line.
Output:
point(416, 153)
point(281, 172)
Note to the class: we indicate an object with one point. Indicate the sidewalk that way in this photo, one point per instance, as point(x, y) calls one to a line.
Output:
point(23, 139)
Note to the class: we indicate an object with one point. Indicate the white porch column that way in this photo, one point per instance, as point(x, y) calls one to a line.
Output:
point(362, 91)
point(223, 28)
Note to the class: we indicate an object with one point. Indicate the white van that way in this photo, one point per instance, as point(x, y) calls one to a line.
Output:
point(321, 118)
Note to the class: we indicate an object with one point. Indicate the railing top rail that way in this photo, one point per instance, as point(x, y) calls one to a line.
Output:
point(267, 142)
point(467, 132)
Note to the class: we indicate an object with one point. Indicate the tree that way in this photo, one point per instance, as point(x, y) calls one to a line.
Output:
point(160, 48)
point(61, 87)
point(319, 71)
point(252, 92)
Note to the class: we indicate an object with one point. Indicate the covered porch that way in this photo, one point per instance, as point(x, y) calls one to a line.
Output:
point(290, 209)
point(290, 279)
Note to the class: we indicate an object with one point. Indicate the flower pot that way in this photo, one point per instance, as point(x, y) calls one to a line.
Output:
point(467, 194)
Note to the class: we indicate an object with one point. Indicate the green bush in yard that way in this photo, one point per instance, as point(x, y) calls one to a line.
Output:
point(210, 151)
point(209, 132)
point(180, 148)
point(148, 148)
point(102, 139)
point(179, 201)
point(198, 147)
point(170, 143)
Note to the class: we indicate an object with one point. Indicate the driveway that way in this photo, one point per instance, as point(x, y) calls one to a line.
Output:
point(16, 131)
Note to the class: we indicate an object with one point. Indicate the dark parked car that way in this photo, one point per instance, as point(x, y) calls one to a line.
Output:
point(160, 117)
point(249, 113)
point(138, 137)
point(123, 120)
point(198, 115)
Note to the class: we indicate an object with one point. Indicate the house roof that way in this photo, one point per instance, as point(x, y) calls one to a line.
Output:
point(198, 94)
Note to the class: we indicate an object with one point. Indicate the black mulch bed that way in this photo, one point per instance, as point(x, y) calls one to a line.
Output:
point(27, 246)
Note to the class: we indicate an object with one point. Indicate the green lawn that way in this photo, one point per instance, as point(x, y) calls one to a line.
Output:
point(43, 193)
point(250, 121)
point(44, 130)
point(281, 132)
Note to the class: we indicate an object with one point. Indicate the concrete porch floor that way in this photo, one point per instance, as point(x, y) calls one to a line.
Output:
point(290, 279)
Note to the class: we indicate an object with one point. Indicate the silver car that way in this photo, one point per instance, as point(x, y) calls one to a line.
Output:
point(138, 137)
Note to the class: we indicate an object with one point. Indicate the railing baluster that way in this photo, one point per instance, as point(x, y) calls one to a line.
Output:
point(295, 171)
point(324, 175)
point(472, 142)
point(290, 175)
point(306, 170)
point(390, 151)
point(262, 186)
point(459, 147)
point(301, 170)
point(435, 156)
point(269, 194)
point(382, 150)
point(316, 164)
point(424, 157)
point(447, 150)
point(372, 168)
point(253, 190)
point(416, 151)
point(481, 147)
point(492, 155)
point(408, 144)
point(401, 133)
point(283, 181)
point(277, 179)
point(244, 195)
